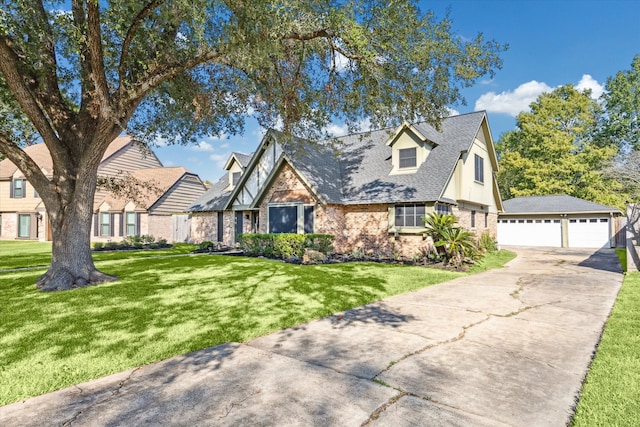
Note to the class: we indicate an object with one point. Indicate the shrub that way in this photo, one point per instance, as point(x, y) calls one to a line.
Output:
point(487, 243)
point(98, 246)
point(111, 245)
point(284, 245)
point(205, 245)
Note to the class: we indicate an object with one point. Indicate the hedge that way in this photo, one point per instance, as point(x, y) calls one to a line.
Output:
point(285, 245)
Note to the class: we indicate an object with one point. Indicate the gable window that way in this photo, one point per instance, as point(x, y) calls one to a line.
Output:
point(479, 168)
point(17, 189)
point(24, 226)
point(105, 224)
point(235, 178)
point(409, 215)
point(408, 158)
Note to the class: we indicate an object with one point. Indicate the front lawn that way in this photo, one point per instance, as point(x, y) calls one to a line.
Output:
point(611, 393)
point(165, 306)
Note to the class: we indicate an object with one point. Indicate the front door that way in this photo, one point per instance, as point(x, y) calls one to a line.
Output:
point(238, 224)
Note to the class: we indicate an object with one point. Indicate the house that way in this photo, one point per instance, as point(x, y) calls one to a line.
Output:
point(172, 190)
point(23, 214)
point(559, 221)
point(369, 190)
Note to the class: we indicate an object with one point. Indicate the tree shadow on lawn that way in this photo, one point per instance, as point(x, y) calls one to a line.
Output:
point(160, 308)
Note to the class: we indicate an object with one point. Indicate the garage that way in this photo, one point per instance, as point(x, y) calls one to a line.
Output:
point(530, 232)
point(557, 221)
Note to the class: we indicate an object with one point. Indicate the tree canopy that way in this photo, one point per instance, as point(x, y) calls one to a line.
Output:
point(553, 150)
point(75, 77)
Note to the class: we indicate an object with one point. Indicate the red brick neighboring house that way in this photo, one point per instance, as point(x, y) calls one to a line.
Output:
point(369, 190)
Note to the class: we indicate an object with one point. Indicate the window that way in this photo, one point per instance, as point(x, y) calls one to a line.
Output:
point(105, 224)
point(308, 219)
point(479, 168)
point(443, 209)
point(283, 219)
point(486, 219)
point(220, 226)
point(17, 189)
point(132, 224)
point(409, 215)
point(473, 219)
point(236, 177)
point(24, 226)
point(408, 158)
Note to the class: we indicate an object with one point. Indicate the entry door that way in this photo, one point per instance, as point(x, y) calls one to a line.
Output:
point(239, 227)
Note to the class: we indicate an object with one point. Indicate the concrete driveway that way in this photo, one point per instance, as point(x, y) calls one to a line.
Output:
point(505, 347)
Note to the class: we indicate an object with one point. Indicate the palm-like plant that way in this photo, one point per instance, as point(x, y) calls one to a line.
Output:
point(458, 244)
point(436, 225)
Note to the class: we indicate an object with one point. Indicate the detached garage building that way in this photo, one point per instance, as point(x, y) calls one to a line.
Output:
point(557, 221)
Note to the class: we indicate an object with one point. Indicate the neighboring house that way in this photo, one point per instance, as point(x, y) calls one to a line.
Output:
point(369, 190)
point(559, 221)
point(172, 190)
point(23, 215)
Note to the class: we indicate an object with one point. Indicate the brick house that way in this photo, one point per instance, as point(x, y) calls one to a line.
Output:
point(369, 190)
point(23, 214)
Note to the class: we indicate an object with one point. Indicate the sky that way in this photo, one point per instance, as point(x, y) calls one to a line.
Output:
point(551, 44)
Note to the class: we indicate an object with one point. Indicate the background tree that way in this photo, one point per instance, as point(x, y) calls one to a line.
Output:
point(621, 122)
point(626, 171)
point(182, 69)
point(553, 151)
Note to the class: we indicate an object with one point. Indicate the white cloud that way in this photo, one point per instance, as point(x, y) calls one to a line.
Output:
point(518, 100)
point(512, 102)
point(335, 130)
point(202, 146)
point(588, 82)
point(220, 159)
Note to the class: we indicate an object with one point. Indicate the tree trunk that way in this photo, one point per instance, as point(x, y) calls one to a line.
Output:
point(71, 261)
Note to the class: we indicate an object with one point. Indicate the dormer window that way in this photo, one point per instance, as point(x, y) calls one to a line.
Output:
point(408, 158)
point(236, 178)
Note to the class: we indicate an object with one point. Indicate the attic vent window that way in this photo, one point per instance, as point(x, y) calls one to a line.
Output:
point(408, 158)
point(236, 177)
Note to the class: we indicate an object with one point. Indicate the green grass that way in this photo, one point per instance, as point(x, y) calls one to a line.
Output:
point(622, 256)
point(167, 306)
point(28, 254)
point(611, 393)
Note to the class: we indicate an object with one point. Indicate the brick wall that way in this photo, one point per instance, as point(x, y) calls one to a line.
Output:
point(463, 213)
point(159, 226)
point(204, 227)
point(9, 226)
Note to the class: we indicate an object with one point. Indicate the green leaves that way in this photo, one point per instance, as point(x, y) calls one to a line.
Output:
point(553, 150)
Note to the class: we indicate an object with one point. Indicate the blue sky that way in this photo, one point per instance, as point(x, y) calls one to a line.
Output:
point(551, 43)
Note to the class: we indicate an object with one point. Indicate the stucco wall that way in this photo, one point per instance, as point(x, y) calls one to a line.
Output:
point(633, 237)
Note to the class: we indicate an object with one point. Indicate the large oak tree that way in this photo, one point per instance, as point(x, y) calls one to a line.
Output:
point(75, 77)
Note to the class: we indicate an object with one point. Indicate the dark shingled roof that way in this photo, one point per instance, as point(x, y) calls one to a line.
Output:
point(244, 159)
point(557, 204)
point(354, 169)
point(215, 198)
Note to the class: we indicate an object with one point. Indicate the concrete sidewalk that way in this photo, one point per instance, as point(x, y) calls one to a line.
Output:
point(505, 347)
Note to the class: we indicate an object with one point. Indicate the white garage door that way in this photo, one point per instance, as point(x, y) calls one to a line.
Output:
point(588, 232)
point(530, 232)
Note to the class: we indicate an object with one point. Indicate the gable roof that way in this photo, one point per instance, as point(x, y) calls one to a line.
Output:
point(554, 204)
point(161, 179)
point(215, 198)
point(40, 154)
point(354, 169)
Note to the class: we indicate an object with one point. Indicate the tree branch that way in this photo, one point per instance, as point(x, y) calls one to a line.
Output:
point(126, 44)
point(94, 47)
point(26, 164)
point(9, 61)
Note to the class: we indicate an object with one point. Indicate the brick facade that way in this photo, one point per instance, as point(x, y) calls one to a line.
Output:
point(363, 228)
